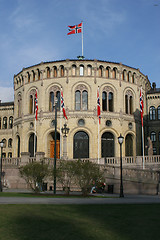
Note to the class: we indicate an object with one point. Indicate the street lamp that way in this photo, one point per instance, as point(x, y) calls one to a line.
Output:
point(120, 140)
point(1, 188)
point(65, 131)
point(55, 145)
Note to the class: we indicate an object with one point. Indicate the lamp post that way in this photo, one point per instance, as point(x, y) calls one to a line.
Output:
point(120, 140)
point(65, 131)
point(1, 188)
point(55, 145)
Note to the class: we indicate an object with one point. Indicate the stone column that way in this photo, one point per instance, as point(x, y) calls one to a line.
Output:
point(64, 147)
point(24, 158)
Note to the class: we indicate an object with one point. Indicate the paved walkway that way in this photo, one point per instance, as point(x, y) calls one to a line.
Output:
point(106, 199)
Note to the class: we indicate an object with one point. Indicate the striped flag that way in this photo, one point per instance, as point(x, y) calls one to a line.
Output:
point(62, 105)
point(75, 29)
point(98, 106)
point(36, 105)
point(141, 106)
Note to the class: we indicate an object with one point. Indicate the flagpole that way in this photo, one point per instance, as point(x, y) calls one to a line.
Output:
point(98, 140)
point(35, 139)
point(82, 38)
point(143, 145)
point(60, 129)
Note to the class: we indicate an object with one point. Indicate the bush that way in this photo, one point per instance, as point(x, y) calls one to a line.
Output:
point(34, 174)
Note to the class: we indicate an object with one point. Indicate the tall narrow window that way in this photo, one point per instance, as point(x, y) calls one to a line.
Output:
point(5, 123)
point(153, 136)
point(10, 122)
point(39, 76)
point(0, 124)
point(28, 75)
point(78, 100)
point(54, 95)
point(107, 100)
point(158, 112)
point(152, 113)
point(33, 76)
point(48, 72)
point(100, 71)
point(51, 101)
point(129, 102)
point(62, 71)
point(84, 100)
point(32, 102)
point(89, 70)
point(55, 72)
point(73, 70)
point(104, 101)
point(10, 143)
point(114, 73)
point(124, 75)
point(107, 72)
point(19, 105)
point(81, 70)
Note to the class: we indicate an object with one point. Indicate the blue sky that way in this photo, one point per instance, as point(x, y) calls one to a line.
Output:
point(33, 31)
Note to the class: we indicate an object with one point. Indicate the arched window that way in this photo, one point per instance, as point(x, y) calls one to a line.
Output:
point(10, 143)
point(81, 145)
point(124, 75)
point(55, 72)
point(153, 136)
point(107, 144)
point(28, 76)
point(33, 76)
point(54, 95)
point(5, 123)
point(19, 105)
point(81, 98)
point(107, 72)
point(159, 136)
point(9, 155)
point(152, 113)
point(129, 145)
point(73, 70)
point(4, 142)
point(128, 76)
point(128, 102)
point(89, 70)
point(18, 146)
point(62, 71)
point(48, 72)
point(100, 71)
point(32, 102)
point(114, 72)
point(158, 112)
point(81, 70)
point(107, 100)
point(10, 122)
point(32, 145)
point(39, 74)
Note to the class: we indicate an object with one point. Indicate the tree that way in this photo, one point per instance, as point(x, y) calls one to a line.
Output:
point(34, 174)
point(65, 174)
point(87, 174)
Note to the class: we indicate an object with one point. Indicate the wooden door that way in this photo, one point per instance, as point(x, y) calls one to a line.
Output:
point(57, 149)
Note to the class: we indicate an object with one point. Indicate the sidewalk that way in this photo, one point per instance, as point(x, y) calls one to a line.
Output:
point(104, 198)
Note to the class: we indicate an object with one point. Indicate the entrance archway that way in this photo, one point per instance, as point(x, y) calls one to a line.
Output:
point(107, 144)
point(129, 145)
point(52, 144)
point(81, 145)
point(32, 145)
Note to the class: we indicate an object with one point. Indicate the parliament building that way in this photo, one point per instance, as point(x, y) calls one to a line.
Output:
point(119, 92)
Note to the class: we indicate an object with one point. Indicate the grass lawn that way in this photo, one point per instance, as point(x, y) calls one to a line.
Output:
point(80, 222)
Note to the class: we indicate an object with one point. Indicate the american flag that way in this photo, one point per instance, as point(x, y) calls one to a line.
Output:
point(62, 105)
point(141, 106)
point(98, 107)
point(36, 105)
point(75, 29)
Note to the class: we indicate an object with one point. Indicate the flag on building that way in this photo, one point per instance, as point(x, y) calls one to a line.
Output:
point(62, 105)
point(141, 106)
point(36, 105)
point(98, 107)
point(75, 29)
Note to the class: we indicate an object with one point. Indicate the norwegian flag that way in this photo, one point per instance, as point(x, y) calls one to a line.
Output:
point(98, 107)
point(62, 105)
point(75, 29)
point(36, 105)
point(141, 106)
